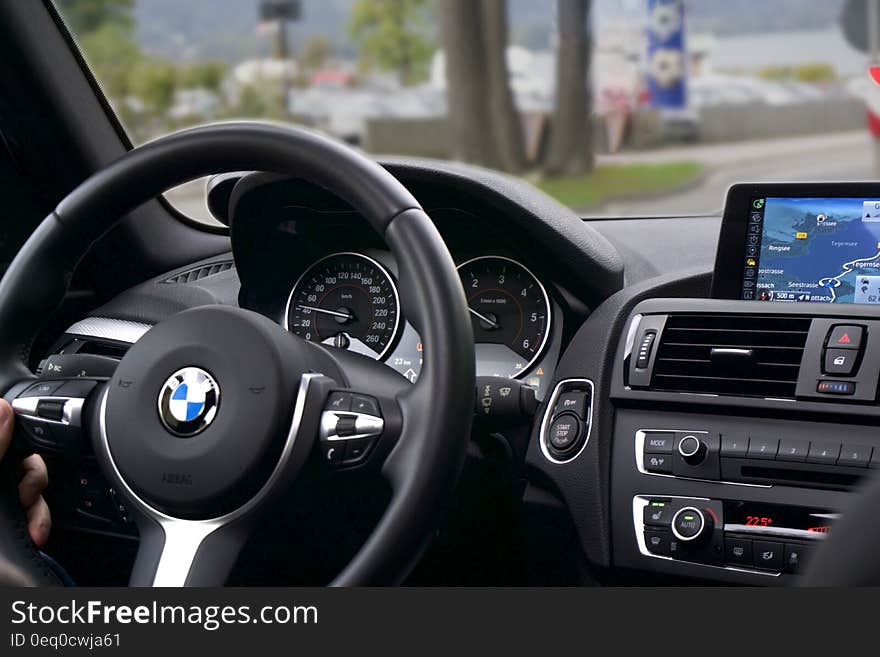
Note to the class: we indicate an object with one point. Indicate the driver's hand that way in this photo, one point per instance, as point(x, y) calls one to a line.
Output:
point(34, 479)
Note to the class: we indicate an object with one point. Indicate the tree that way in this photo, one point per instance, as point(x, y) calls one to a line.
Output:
point(154, 81)
point(467, 79)
point(202, 75)
point(104, 29)
point(507, 129)
point(85, 16)
point(570, 151)
point(484, 124)
point(392, 35)
point(111, 54)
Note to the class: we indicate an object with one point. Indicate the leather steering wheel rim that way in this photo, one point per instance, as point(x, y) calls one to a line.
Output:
point(436, 426)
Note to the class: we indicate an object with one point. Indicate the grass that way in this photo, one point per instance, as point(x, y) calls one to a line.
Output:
point(615, 181)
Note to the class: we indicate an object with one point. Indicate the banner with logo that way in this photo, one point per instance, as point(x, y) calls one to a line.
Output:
point(666, 55)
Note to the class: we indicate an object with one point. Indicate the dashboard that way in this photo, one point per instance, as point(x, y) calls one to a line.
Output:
point(702, 417)
point(319, 270)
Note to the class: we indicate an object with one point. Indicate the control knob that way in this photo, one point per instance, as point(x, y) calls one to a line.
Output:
point(690, 524)
point(692, 450)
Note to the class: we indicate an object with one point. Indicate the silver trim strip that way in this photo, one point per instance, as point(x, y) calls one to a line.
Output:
point(726, 351)
point(71, 413)
point(548, 416)
point(639, 504)
point(380, 267)
point(640, 464)
point(631, 335)
point(365, 426)
point(549, 310)
point(121, 330)
point(184, 537)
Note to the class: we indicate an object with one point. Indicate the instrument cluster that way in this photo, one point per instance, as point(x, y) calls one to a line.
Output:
point(349, 300)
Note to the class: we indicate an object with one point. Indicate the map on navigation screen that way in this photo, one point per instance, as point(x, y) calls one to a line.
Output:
point(813, 249)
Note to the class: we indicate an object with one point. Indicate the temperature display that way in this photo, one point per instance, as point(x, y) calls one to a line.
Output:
point(778, 516)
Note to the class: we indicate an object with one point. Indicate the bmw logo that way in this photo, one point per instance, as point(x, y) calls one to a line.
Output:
point(188, 401)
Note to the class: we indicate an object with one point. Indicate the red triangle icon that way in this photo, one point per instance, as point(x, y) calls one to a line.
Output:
point(844, 339)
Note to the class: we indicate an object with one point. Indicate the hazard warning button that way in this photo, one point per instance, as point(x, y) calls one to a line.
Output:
point(845, 337)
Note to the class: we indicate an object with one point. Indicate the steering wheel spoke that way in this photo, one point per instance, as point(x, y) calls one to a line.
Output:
point(181, 551)
point(51, 414)
point(357, 428)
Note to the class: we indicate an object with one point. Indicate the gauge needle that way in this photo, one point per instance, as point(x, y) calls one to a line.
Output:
point(333, 313)
point(482, 317)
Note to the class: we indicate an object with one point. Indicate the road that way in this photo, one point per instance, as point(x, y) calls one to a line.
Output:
point(836, 156)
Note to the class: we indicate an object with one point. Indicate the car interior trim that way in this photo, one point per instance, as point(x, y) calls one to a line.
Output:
point(107, 328)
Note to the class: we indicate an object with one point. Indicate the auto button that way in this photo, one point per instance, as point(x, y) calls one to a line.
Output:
point(689, 524)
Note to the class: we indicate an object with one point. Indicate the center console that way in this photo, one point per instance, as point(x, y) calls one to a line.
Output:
point(741, 426)
point(734, 467)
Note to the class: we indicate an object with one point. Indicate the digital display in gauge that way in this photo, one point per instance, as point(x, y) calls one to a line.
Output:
point(510, 312)
point(346, 300)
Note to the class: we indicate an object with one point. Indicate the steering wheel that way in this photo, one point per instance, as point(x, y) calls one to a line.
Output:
point(211, 415)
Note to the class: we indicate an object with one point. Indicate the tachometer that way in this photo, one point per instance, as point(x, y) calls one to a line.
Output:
point(346, 300)
point(510, 312)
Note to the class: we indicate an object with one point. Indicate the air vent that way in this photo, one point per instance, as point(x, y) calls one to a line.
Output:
point(197, 274)
point(742, 355)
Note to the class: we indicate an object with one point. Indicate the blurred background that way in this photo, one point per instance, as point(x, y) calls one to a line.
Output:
point(614, 107)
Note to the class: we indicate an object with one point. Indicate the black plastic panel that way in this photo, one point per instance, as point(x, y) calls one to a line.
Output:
point(628, 482)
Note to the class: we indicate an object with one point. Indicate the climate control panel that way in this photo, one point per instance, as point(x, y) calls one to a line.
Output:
point(764, 538)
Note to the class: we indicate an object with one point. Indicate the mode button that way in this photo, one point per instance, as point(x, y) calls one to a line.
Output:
point(659, 442)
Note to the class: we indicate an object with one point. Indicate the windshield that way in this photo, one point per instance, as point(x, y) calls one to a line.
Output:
point(614, 107)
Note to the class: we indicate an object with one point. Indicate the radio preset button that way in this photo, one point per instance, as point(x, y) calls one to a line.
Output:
point(763, 448)
point(734, 446)
point(793, 450)
point(826, 453)
point(855, 455)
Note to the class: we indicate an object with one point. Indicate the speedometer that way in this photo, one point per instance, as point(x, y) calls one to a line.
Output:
point(346, 300)
point(510, 311)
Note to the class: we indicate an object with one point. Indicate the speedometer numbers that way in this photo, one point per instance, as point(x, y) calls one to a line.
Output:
point(346, 300)
point(510, 312)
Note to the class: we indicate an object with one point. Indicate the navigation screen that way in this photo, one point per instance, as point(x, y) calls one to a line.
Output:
point(813, 249)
